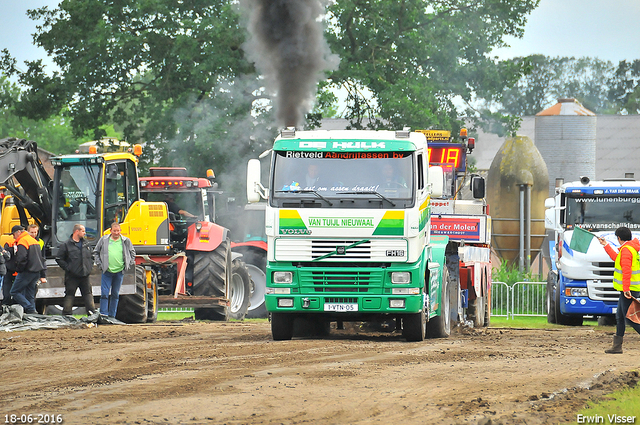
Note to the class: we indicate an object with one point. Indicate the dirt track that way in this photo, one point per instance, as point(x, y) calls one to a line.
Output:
point(183, 372)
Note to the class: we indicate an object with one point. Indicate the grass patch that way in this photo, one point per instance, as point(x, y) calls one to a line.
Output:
point(530, 322)
point(174, 315)
point(625, 402)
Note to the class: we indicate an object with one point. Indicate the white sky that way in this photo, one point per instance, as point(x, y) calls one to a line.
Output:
point(607, 29)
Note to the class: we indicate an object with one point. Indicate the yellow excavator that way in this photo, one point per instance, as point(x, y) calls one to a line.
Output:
point(94, 190)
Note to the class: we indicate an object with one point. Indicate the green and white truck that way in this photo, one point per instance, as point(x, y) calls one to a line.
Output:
point(348, 232)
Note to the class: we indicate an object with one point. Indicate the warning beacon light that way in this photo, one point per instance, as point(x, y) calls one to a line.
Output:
point(471, 144)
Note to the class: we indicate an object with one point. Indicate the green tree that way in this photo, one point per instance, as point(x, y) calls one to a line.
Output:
point(549, 78)
point(53, 134)
point(625, 87)
point(174, 74)
point(406, 62)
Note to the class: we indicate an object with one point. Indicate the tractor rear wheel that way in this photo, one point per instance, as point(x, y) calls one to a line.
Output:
point(133, 308)
point(211, 272)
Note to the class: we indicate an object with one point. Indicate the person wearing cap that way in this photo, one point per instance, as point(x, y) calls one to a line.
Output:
point(31, 269)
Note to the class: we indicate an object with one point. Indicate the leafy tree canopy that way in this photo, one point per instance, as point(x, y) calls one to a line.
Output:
point(550, 78)
point(53, 134)
point(174, 74)
point(414, 58)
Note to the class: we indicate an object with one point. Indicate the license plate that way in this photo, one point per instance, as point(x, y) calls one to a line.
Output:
point(341, 307)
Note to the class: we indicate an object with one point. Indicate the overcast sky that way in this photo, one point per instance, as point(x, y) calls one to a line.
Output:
point(607, 29)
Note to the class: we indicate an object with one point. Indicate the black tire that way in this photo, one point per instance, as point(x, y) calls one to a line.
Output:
point(311, 326)
point(564, 319)
point(239, 290)
point(256, 262)
point(414, 326)
point(211, 272)
point(477, 310)
point(282, 326)
point(440, 326)
point(551, 301)
point(607, 320)
point(133, 308)
point(152, 299)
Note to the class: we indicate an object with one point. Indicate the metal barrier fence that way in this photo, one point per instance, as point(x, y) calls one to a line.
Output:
point(520, 299)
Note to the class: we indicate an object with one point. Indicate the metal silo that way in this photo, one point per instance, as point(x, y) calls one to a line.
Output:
point(566, 138)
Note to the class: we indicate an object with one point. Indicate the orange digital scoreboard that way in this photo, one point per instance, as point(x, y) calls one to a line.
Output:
point(451, 154)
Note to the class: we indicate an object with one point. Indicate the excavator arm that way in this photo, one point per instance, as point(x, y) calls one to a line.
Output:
point(23, 174)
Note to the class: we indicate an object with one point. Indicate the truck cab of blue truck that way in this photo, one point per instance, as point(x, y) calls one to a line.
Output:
point(581, 283)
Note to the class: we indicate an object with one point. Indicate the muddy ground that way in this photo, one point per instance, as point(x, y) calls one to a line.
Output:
point(198, 372)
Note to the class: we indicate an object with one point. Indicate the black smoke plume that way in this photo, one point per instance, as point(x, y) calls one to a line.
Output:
point(288, 48)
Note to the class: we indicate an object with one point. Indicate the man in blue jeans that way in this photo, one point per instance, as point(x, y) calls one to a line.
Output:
point(31, 269)
point(114, 254)
point(626, 279)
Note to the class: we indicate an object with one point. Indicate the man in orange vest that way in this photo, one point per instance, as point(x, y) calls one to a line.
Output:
point(31, 269)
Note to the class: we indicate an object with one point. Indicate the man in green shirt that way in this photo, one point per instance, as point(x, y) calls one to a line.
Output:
point(114, 253)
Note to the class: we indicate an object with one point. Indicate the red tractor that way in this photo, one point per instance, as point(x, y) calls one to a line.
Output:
point(201, 271)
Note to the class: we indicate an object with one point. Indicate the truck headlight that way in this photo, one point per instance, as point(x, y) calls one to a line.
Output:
point(282, 277)
point(401, 277)
point(576, 292)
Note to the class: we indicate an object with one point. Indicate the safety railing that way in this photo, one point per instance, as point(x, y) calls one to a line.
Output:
point(519, 299)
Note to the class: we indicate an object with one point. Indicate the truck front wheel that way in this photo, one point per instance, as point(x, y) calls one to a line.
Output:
point(551, 301)
point(414, 326)
point(440, 326)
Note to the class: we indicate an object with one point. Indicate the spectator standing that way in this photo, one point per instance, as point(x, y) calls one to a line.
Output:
point(75, 257)
point(9, 277)
point(626, 279)
point(4, 257)
point(114, 254)
point(33, 230)
point(31, 269)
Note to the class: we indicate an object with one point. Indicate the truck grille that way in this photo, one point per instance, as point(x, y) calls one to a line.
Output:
point(602, 290)
point(313, 281)
point(323, 247)
point(375, 249)
point(604, 269)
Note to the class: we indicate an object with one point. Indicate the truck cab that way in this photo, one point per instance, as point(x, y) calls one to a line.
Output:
point(347, 221)
point(581, 283)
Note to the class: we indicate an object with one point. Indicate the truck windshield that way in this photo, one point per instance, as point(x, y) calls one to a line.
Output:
point(603, 212)
point(342, 179)
point(76, 196)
